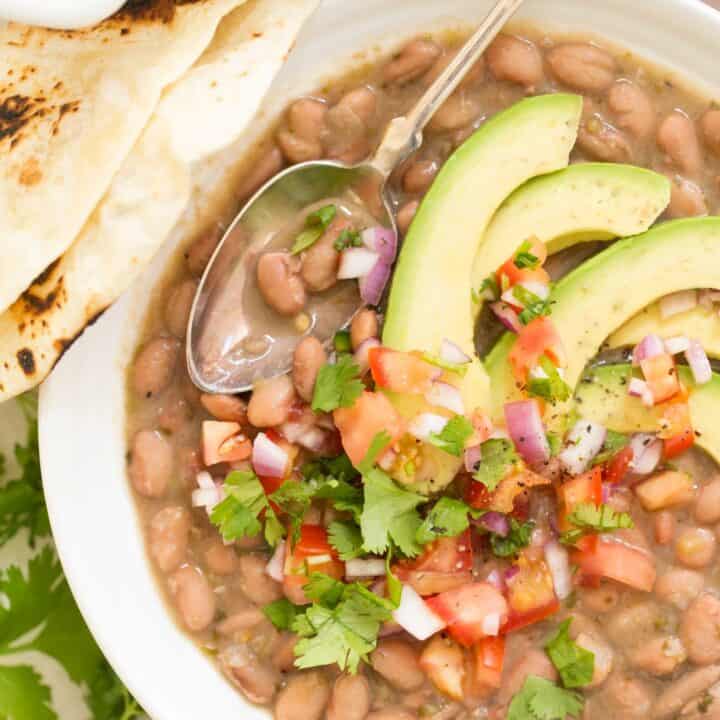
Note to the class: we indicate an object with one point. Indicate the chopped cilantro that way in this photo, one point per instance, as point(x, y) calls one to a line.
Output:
point(447, 518)
point(498, 457)
point(517, 539)
point(489, 289)
point(282, 613)
point(346, 538)
point(337, 385)
point(534, 306)
point(341, 341)
point(456, 368)
point(452, 437)
point(524, 259)
point(575, 664)
point(555, 443)
point(346, 239)
point(551, 387)
point(591, 518)
point(325, 590)
point(540, 699)
point(614, 443)
point(315, 225)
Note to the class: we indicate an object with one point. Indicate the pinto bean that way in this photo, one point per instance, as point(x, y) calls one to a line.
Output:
point(177, 310)
point(660, 656)
point(350, 699)
point(199, 253)
point(174, 412)
point(256, 679)
point(684, 689)
point(630, 698)
point(257, 585)
point(260, 172)
point(419, 176)
point(533, 662)
point(320, 262)
point(473, 77)
point(308, 358)
point(228, 408)
point(362, 101)
point(600, 600)
point(280, 284)
point(397, 661)
point(303, 698)
point(155, 365)
point(194, 597)
point(168, 537)
point(679, 587)
point(710, 128)
point(241, 621)
point(583, 67)
point(707, 507)
point(283, 657)
point(665, 525)
point(634, 625)
point(695, 547)
point(459, 110)
point(678, 139)
point(413, 61)
point(363, 327)
point(706, 707)
point(406, 214)
point(603, 141)
point(516, 60)
point(151, 464)
point(686, 199)
point(632, 108)
point(271, 401)
point(220, 559)
point(348, 123)
point(700, 630)
point(302, 140)
point(392, 713)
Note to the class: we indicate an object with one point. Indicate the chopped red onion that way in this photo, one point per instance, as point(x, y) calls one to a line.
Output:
point(361, 354)
point(414, 615)
point(639, 388)
point(425, 424)
point(473, 455)
point(372, 286)
point(647, 452)
point(313, 439)
point(650, 346)
point(371, 567)
point(527, 432)
point(490, 624)
point(496, 579)
point(511, 572)
point(446, 396)
point(276, 567)
point(678, 302)
point(356, 263)
point(382, 241)
point(584, 442)
point(452, 353)
point(556, 557)
point(293, 431)
point(507, 316)
point(699, 364)
point(676, 345)
point(204, 480)
point(268, 458)
point(496, 523)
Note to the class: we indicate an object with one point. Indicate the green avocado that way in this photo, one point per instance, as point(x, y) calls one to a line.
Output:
point(604, 292)
point(430, 297)
point(602, 396)
point(589, 201)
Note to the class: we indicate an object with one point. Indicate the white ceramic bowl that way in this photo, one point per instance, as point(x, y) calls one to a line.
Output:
point(82, 409)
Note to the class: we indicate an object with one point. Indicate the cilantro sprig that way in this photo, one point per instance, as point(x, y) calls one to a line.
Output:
point(517, 538)
point(337, 385)
point(452, 437)
point(550, 385)
point(591, 518)
point(447, 518)
point(498, 458)
point(524, 259)
point(614, 443)
point(316, 223)
point(540, 699)
point(575, 664)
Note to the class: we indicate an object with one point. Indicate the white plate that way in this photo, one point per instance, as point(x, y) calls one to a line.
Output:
point(64, 14)
point(82, 413)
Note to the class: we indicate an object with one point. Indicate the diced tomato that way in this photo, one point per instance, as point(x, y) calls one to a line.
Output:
point(489, 656)
point(468, 609)
point(661, 376)
point(531, 592)
point(678, 444)
point(370, 414)
point(618, 562)
point(507, 493)
point(616, 468)
point(444, 663)
point(270, 485)
point(539, 337)
point(516, 275)
point(477, 495)
point(400, 371)
point(585, 488)
point(312, 554)
point(223, 442)
point(677, 430)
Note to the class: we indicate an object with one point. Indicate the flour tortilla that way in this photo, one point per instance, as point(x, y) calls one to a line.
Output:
point(72, 104)
point(155, 190)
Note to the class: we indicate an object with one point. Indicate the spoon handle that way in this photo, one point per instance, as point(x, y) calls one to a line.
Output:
point(404, 134)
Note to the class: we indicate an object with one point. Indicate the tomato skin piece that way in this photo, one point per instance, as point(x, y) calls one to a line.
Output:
point(618, 562)
point(517, 621)
point(661, 376)
point(370, 414)
point(489, 657)
point(516, 275)
point(616, 468)
point(530, 592)
point(477, 495)
point(465, 609)
point(585, 488)
point(678, 444)
point(444, 663)
point(539, 337)
point(224, 442)
point(401, 372)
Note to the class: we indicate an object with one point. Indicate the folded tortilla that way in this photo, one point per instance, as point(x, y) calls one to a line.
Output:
point(153, 191)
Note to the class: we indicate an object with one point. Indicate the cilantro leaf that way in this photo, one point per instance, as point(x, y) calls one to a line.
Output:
point(452, 437)
point(540, 699)
point(324, 590)
point(109, 699)
point(346, 538)
point(524, 259)
point(282, 613)
point(23, 694)
point(534, 306)
point(342, 342)
point(346, 239)
point(389, 515)
point(614, 443)
point(575, 664)
point(591, 518)
point(498, 457)
point(337, 385)
point(394, 586)
point(315, 225)
point(555, 443)
point(447, 518)
point(517, 538)
point(489, 288)
point(550, 387)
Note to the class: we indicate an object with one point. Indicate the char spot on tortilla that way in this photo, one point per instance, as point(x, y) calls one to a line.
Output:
point(42, 295)
point(153, 10)
point(30, 173)
point(26, 359)
point(62, 345)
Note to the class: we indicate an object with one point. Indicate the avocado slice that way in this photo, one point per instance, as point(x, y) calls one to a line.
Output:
point(430, 297)
point(604, 292)
point(584, 202)
point(700, 323)
point(602, 396)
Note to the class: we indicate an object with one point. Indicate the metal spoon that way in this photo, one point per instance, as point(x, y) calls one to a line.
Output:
point(229, 346)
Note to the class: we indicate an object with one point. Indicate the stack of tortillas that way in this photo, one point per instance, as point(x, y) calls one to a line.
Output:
point(101, 131)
